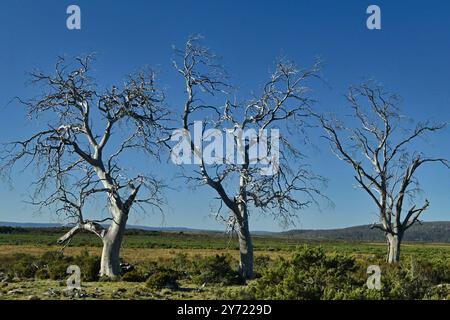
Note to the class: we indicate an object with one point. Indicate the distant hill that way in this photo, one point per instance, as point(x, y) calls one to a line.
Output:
point(27, 225)
point(437, 232)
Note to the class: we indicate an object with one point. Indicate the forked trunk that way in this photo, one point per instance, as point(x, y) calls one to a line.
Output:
point(394, 242)
point(112, 243)
point(246, 251)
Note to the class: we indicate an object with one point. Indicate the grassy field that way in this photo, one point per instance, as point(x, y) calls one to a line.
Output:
point(141, 248)
point(154, 245)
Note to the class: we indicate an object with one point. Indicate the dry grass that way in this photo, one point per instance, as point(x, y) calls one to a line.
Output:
point(133, 255)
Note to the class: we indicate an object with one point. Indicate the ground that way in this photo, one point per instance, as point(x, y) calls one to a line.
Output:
point(141, 248)
point(51, 290)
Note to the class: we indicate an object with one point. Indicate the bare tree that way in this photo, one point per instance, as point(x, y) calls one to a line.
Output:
point(381, 151)
point(80, 150)
point(244, 185)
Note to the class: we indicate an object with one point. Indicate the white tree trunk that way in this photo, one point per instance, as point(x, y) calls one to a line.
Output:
point(112, 243)
point(245, 250)
point(394, 242)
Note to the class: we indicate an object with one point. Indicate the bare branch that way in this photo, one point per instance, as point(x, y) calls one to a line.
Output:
point(68, 152)
point(387, 169)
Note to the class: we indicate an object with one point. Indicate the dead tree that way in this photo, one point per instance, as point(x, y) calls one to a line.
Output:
point(81, 151)
point(382, 152)
point(243, 186)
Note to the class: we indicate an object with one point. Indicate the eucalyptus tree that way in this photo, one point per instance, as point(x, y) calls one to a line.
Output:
point(84, 147)
point(380, 144)
point(264, 172)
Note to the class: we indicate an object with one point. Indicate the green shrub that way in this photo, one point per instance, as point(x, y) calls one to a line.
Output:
point(163, 278)
point(312, 274)
point(24, 266)
point(8, 261)
point(217, 269)
point(51, 265)
point(411, 279)
point(261, 264)
point(150, 267)
point(183, 265)
point(89, 266)
point(42, 274)
point(439, 292)
point(309, 274)
point(54, 265)
point(134, 276)
point(437, 269)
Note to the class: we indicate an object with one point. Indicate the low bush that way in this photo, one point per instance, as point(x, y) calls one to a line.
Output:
point(312, 274)
point(216, 270)
point(163, 278)
point(134, 276)
point(261, 264)
point(439, 292)
point(23, 266)
point(89, 266)
point(309, 274)
point(53, 265)
point(185, 266)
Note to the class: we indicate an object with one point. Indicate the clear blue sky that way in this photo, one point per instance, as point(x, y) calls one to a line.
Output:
point(410, 55)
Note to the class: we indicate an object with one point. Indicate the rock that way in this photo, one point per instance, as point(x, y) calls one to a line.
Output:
point(115, 295)
point(71, 293)
point(121, 290)
point(138, 293)
point(33, 298)
point(97, 292)
point(52, 292)
point(4, 278)
point(126, 267)
point(75, 293)
point(15, 292)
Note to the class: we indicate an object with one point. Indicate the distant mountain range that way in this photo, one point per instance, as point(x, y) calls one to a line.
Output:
point(436, 231)
point(59, 225)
